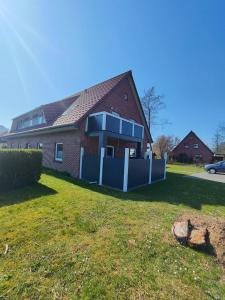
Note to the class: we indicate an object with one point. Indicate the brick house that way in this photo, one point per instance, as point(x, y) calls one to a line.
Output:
point(192, 149)
point(108, 115)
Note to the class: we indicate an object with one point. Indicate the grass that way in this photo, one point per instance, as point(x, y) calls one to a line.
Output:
point(70, 240)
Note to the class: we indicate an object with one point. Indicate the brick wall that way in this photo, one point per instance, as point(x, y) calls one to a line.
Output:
point(127, 109)
point(189, 142)
point(71, 149)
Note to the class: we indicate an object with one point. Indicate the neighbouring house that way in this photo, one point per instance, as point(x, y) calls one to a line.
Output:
point(106, 116)
point(218, 157)
point(192, 149)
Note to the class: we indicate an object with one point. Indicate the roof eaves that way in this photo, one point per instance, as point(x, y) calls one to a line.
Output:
point(43, 129)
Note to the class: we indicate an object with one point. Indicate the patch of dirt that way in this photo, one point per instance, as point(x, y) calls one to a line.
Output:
point(204, 233)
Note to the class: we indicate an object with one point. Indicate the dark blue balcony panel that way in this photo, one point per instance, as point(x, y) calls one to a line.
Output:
point(138, 131)
point(112, 124)
point(95, 123)
point(126, 128)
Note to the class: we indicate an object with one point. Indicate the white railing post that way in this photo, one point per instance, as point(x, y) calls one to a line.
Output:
point(150, 167)
point(81, 161)
point(165, 159)
point(120, 126)
point(102, 154)
point(125, 171)
point(104, 121)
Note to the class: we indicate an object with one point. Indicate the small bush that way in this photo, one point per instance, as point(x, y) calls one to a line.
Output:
point(19, 168)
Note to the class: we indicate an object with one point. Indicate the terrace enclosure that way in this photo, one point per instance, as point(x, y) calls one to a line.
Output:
point(99, 134)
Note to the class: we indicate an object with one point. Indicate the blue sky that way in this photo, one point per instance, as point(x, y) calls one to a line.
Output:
point(51, 49)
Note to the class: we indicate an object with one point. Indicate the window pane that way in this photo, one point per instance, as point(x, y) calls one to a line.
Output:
point(59, 151)
point(109, 151)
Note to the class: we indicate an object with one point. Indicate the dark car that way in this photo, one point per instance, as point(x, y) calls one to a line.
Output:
point(218, 167)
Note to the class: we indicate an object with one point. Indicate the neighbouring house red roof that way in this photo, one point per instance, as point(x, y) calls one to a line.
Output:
point(72, 109)
point(194, 134)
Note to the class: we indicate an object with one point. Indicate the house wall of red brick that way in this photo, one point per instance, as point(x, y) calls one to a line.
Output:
point(187, 147)
point(73, 140)
point(128, 109)
point(71, 149)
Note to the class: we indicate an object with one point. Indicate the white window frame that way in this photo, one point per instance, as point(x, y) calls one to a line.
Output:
point(56, 158)
point(135, 152)
point(28, 146)
point(195, 146)
point(20, 146)
point(113, 150)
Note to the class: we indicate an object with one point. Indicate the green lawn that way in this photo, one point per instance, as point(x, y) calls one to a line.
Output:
point(69, 240)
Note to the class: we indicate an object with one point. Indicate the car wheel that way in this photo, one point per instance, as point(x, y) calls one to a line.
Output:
point(212, 171)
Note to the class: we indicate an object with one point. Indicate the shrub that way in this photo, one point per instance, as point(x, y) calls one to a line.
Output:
point(19, 168)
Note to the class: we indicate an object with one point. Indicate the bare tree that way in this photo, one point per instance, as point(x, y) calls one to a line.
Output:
point(165, 144)
point(152, 104)
point(219, 139)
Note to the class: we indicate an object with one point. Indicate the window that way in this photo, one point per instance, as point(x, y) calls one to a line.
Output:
point(197, 158)
point(20, 146)
point(186, 146)
point(59, 152)
point(28, 146)
point(109, 151)
point(27, 122)
point(195, 146)
point(40, 146)
point(125, 97)
point(132, 152)
point(36, 119)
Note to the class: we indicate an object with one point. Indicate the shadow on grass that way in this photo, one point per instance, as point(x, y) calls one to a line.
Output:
point(177, 189)
point(25, 194)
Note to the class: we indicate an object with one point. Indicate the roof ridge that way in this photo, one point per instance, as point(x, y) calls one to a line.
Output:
point(192, 132)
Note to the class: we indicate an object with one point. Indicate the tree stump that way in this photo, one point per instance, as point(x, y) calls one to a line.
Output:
point(204, 233)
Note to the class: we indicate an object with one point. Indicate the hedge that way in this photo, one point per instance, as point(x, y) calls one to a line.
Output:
point(19, 168)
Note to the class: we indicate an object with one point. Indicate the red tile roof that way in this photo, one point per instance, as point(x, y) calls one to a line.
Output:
point(71, 109)
point(87, 99)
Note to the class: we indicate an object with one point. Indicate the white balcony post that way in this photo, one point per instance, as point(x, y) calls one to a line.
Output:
point(120, 126)
point(150, 167)
point(102, 154)
point(104, 121)
point(133, 129)
point(165, 159)
point(125, 171)
point(86, 125)
point(81, 161)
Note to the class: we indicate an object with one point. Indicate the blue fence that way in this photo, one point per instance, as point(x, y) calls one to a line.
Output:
point(91, 168)
point(116, 173)
point(113, 172)
point(158, 168)
point(138, 172)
